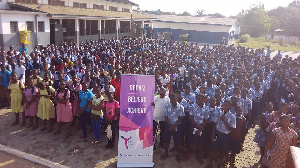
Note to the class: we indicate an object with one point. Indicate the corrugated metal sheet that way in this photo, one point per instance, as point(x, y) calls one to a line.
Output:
point(60, 10)
point(197, 20)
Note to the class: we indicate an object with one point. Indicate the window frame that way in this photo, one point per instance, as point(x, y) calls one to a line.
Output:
point(16, 26)
point(41, 29)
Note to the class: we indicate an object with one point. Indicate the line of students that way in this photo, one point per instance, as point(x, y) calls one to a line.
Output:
point(39, 100)
point(211, 128)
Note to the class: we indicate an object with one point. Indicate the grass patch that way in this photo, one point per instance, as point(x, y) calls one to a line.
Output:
point(262, 42)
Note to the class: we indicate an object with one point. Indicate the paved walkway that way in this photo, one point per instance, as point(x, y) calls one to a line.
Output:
point(10, 161)
point(75, 153)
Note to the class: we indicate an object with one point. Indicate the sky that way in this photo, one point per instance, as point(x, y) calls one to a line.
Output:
point(224, 7)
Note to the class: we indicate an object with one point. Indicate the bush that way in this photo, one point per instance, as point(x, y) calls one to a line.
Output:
point(184, 37)
point(244, 38)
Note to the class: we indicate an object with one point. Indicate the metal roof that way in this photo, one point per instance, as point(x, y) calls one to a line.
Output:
point(195, 20)
point(70, 11)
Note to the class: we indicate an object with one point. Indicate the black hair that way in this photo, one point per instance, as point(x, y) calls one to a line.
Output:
point(284, 116)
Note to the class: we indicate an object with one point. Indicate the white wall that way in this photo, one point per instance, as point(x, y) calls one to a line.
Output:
point(196, 27)
point(4, 5)
point(21, 18)
point(90, 4)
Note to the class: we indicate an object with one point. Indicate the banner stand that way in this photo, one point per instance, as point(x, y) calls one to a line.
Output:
point(135, 146)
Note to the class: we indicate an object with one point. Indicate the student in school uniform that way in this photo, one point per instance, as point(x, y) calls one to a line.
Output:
point(198, 118)
point(237, 135)
point(173, 114)
point(31, 103)
point(36, 78)
point(16, 88)
point(225, 122)
point(46, 109)
point(63, 108)
point(186, 106)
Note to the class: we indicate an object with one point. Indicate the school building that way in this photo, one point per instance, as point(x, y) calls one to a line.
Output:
point(206, 29)
point(41, 22)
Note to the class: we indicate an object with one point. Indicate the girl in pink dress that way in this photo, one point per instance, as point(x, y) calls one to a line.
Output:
point(281, 139)
point(63, 108)
point(31, 103)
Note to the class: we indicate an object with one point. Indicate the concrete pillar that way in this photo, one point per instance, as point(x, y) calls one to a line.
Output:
point(104, 29)
point(77, 34)
point(117, 28)
point(99, 29)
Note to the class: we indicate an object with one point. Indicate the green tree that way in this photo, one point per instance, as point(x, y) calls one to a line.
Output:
point(185, 13)
point(289, 17)
point(256, 21)
point(200, 12)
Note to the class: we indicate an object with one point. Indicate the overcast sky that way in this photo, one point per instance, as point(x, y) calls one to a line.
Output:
point(225, 7)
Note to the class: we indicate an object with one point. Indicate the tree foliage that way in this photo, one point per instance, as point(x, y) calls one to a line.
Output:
point(200, 12)
point(256, 21)
point(185, 13)
point(289, 17)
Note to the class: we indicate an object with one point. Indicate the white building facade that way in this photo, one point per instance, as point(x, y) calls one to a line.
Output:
point(53, 21)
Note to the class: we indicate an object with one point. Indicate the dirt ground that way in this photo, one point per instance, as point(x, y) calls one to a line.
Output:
point(73, 152)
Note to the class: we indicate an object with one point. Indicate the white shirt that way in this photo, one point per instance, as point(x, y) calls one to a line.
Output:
point(111, 89)
point(19, 70)
point(159, 108)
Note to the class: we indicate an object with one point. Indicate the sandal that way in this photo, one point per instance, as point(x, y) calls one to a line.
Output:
point(164, 156)
point(28, 126)
point(200, 161)
point(56, 133)
point(15, 123)
point(43, 129)
point(23, 124)
point(96, 142)
point(187, 157)
point(67, 136)
point(178, 158)
point(35, 127)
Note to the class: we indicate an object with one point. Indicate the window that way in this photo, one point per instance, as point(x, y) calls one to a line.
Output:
point(81, 27)
point(110, 26)
point(115, 9)
point(88, 28)
point(28, 1)
point(68, 27)
point(30, 26)
point(56, 2)
point(41, 26)
point(13, 27)
point(124, 26)
point(91, 27)
point(79, 5)
point(100, 7)
point(102, 27)
point(125, 10)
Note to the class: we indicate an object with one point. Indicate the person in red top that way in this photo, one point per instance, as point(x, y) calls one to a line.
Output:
point(111, 113)
point(116, 83)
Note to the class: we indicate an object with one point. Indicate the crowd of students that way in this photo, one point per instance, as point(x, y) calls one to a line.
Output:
point(206, 97)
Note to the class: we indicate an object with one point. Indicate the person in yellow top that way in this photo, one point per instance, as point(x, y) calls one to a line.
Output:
point(46, 109)
point(16, 88)
point(36, 78)
point(96, 106)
